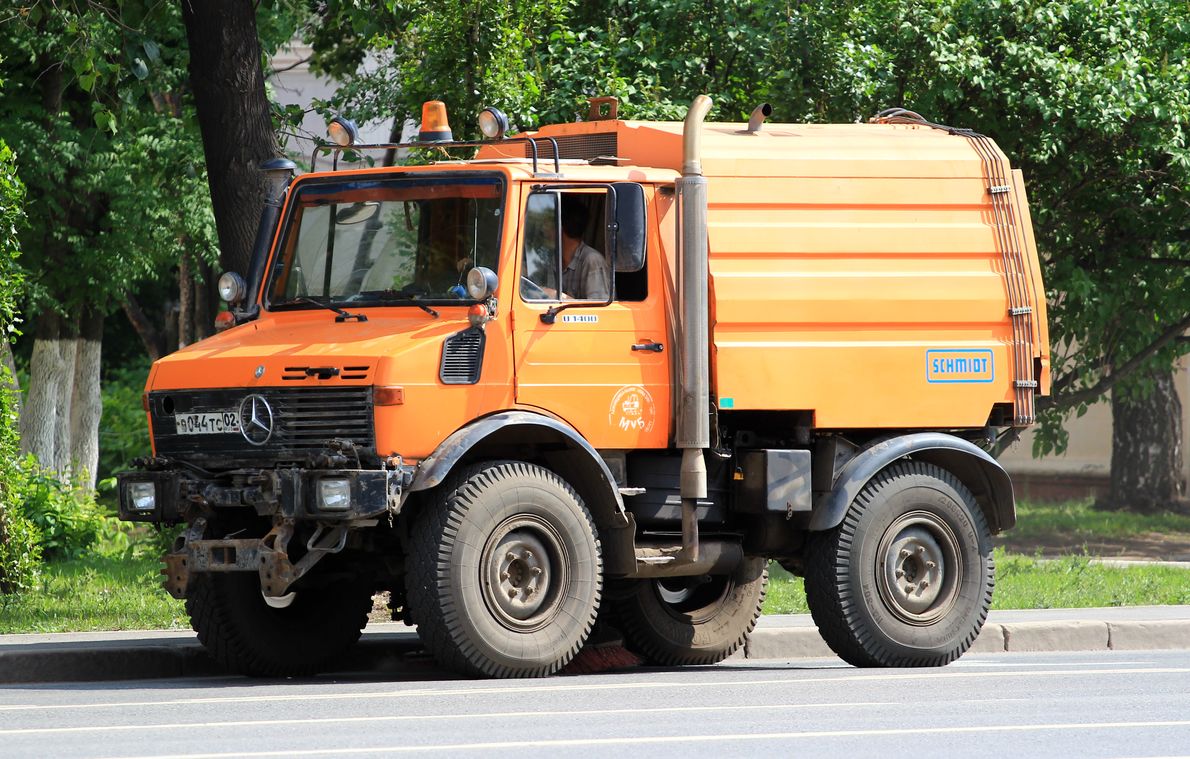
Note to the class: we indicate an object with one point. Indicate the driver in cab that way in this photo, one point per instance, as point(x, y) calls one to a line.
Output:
point(584, 269)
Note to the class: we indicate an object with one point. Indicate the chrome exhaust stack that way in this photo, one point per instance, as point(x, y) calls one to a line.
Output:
point(693, 423)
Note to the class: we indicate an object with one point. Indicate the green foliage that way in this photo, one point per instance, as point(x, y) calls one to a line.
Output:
point(123, 429)
point(95, 91)
point(12, 216)
point(67, 519)
point(19, 553)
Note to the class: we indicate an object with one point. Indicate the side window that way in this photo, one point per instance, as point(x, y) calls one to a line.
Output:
point(566, 241)
point(539, 275)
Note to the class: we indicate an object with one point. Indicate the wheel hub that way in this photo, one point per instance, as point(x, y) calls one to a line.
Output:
point(920, 571)
point(524, 572)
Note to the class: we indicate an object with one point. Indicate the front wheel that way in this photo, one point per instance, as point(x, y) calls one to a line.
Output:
point(694, 620)
point(504, 572)
point(906, 579)
point(302, 635)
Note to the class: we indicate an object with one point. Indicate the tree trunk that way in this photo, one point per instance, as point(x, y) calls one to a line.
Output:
point(86, 406)
point(63, 443)
point(149, 335)
point(234, 117)
point(1146, 462)
point(206, 302)
point(185, 303)
point(40, 410)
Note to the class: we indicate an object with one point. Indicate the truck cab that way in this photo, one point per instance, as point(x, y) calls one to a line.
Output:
point(573, 381)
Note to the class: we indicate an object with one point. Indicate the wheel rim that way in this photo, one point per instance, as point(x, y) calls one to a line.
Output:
point(692, 599)
point(920, 568)
point(525, 573)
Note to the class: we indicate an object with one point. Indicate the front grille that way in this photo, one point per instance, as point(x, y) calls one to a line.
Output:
point(304, 420)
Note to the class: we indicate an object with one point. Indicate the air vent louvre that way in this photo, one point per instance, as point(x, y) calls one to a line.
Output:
point(585, 147)
point(299, 373)
point(462, 357)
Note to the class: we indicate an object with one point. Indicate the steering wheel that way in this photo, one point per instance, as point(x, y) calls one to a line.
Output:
point(530, 290)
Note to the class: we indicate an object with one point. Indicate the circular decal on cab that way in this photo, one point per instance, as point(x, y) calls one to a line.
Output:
point(632, 410)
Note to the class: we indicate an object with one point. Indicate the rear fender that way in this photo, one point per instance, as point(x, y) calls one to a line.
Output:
point(973, 466)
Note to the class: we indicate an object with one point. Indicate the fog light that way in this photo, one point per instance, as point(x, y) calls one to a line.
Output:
point(142, 496)
point(334, 495)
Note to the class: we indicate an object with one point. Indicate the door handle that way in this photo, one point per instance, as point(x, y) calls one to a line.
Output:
point(649, 346)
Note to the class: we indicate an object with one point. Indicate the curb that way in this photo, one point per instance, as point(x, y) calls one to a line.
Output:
point(395, 649)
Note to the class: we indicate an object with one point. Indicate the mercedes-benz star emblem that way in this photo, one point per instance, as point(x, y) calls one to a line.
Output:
point(256, 419)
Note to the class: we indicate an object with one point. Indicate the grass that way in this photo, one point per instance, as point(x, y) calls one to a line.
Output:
point(1023, 582)
point(1071, 522)
point(94, 593)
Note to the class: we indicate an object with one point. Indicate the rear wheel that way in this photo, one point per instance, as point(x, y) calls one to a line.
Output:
point(906, 579)
point(504, 572)
point(694, 620)
point(301, 635)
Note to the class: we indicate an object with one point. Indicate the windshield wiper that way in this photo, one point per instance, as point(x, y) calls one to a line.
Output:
point(342, 315)
point(400, 296)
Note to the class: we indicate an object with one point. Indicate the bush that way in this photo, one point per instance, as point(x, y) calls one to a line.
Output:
point(67, 518)
point(20, 553)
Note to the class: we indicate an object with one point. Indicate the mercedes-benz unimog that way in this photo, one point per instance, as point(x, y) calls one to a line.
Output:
point(790, 342)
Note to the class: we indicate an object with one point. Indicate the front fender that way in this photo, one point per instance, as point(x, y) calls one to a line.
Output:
point(529, 428)
point(974, 467)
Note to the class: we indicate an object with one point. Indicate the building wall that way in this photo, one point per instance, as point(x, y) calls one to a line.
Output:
point(1085, 468)
point(296, 85)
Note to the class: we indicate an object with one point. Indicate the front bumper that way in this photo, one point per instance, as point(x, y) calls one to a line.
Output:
point(172, 495)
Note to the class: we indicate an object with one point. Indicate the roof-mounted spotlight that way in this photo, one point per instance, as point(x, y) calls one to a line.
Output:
point(343, 132)
point(493, 123)
point(434, 127)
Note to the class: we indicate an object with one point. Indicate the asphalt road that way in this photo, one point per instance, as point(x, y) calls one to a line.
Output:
point(1100, 704)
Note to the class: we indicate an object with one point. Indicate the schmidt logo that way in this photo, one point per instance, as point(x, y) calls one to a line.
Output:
point(960, 366)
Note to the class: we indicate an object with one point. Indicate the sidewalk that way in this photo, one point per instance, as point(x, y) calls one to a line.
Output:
point(392, 647)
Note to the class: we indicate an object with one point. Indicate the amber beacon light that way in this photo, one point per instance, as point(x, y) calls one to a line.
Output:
point(434, 127)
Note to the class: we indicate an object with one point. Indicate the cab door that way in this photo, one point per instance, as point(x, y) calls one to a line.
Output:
point(602, 367)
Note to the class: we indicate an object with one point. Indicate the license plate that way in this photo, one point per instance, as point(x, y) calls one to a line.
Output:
point(216, 423)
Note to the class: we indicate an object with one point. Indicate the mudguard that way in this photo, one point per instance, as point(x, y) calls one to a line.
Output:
point(435, 467)
point(974, 467)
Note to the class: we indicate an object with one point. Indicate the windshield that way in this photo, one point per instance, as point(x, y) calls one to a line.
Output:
point(403, 241)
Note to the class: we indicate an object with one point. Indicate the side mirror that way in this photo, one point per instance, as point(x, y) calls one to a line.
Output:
point(628, 252)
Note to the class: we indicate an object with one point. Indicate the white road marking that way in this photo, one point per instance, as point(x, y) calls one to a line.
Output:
point(1001, 664)
point(656, 739)
point(456, 716)
point(475, 690)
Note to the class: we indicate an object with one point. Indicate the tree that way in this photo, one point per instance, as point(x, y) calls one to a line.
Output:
point(235, 117)
point(111, 197)
point(1091, 99)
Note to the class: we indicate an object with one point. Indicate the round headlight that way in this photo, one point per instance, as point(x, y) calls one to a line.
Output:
point(232, 288)
point(481, 282)
point(343, 132)
point(493, 123)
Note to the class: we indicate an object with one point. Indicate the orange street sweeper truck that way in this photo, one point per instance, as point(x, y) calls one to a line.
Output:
point(602, 374)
